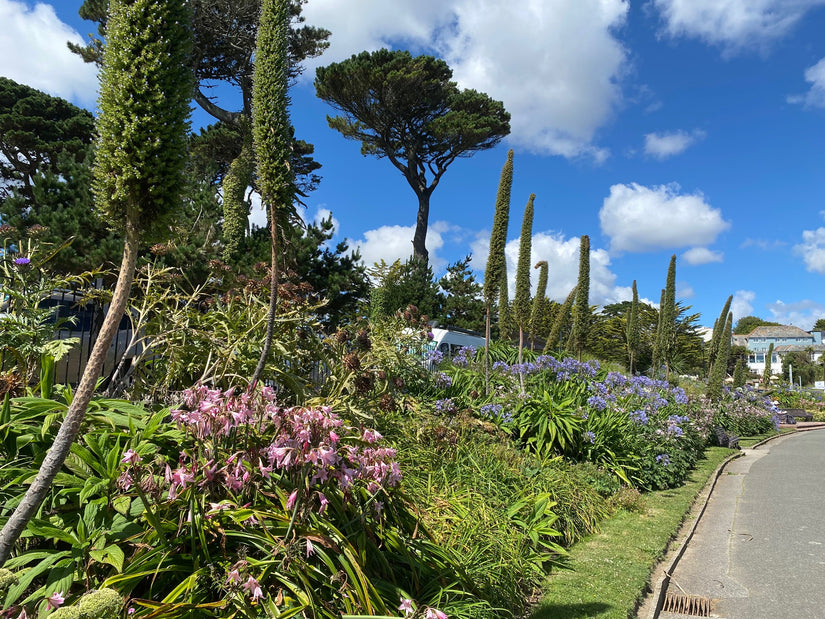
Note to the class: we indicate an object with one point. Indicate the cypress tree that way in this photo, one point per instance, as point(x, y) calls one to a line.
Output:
point(633, 334)
point(718, 326)
point(562, 314)
point(739, 374)
point(720, 364)
point(273, 144)
point(538, 302)
point(766, 375)
point(521, 304)
point(581, 311)
point(145, 88)
point(668, 315)
point(496, 271)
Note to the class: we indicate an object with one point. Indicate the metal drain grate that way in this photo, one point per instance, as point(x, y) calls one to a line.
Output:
point(694, 605)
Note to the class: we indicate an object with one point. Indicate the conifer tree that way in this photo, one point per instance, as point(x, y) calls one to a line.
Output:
point(739, 374)
point(718, 326)
point(145, 88)
point(766, 375)
point(581, 310)
point(633, 330)
point(720, 364)
point(273, 145)
point(521, 304)
point(539, 302)
point(495, 275)
point(562, 315)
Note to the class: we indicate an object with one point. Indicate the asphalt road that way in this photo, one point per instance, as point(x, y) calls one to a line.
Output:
point(758, 550)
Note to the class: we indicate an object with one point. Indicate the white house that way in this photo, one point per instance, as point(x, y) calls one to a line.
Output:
point(784, 340)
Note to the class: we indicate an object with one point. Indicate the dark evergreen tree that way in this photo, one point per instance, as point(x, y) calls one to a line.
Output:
point(766, 375)
point(739, 376)
point(145, 89)
point(407, 109)
point(720, 363)
point(463, 303)
point(402, 284)
point(716, 337)
point(581, 310)
point(633, 331)
point(540, 304)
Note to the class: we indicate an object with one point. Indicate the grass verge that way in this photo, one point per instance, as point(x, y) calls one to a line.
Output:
point(610, 571)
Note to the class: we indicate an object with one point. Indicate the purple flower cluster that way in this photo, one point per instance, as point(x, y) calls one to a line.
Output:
point(496, 412)
point(435, 357)
point(590, 437)
point(443, 380)
point(464, 355)
point(663, 459)
point(445, 406)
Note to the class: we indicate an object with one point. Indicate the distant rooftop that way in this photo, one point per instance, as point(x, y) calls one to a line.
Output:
point(778, 332)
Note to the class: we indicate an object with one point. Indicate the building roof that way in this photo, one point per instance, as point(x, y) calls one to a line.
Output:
point(799, 348)
point(779, 332)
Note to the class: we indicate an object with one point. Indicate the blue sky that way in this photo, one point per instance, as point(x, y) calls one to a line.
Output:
point(656, 127)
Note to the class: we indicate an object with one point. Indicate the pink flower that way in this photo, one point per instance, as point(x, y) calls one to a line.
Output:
point(324, 502)
point(290, 502)
point(310, 548)
point(23, 615)
point(406, 606)
point(55, 600)
point(434, 613)
point(370, 436)
point(131, 611)
point(130, 457)
point(233, 577)
point(252, 586)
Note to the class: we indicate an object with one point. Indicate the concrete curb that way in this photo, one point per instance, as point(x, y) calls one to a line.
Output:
point(658, 596)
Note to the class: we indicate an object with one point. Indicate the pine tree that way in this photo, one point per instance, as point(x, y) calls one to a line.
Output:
point(633, 330)
point(718, 326)
point(496, 272)
point(581, 311)
point(539, 302)
point(720, 364)
point(766, 375)
point(463, 305)
point(521, 304)
point(145, 88)
point(273, 145)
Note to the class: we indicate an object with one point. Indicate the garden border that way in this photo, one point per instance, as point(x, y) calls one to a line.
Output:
point(654, 601)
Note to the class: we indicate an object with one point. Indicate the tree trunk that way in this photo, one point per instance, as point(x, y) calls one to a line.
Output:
point(421, 223)
point(70, 427)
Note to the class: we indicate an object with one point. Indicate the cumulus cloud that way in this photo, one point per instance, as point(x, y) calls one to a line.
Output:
point(812, 250)
point(391, 243)
point(668, 144)
point(33, 52)
point(802, 314)
point(742, 304)
point(702, 255)
point(815, 97)
point(562, 256)
point(733, 24)
point(639, 219)
point(575, 60)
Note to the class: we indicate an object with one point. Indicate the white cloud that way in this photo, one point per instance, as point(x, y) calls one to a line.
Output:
point(812, 250)
point(815, 97)
point(733, 24)
point(33, 52)
point(702, 255)
point(639, 219)
point(321, 214)
point(684, 290)
point(560, 83)
point(802, 314)
point(668, 144)
point(742, 304)
point(391, 243)
point(562, 256)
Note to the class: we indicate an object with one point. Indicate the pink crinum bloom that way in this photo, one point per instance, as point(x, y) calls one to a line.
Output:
point(251, 586)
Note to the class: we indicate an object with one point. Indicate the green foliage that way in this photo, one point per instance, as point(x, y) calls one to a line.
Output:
point(540, 305)
point(633, 336)
point(142, 145)
point(581, 309)
point(495, 275)
point(739, 374)
point(38, 134)
point(399, 285)
point(666, 332)
point(718, 327)
point(463, 305)
point(766, 374)
point(235, 205)
point(720, 364)
point(562, 316)
point(746, 324)
point(803, 367)
point(405, 108)
point(521, 303)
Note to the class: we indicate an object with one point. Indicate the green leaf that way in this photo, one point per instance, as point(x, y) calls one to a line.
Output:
point(111, 555)
point(121, 504)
